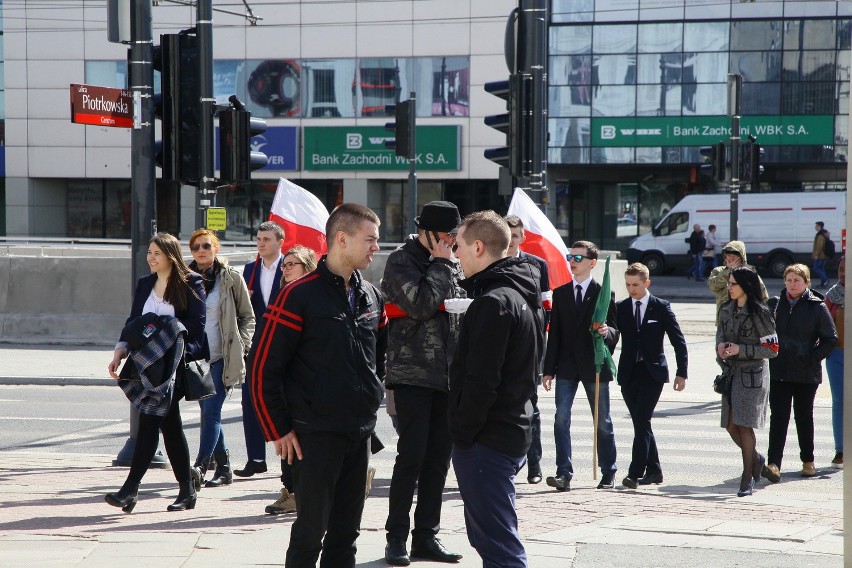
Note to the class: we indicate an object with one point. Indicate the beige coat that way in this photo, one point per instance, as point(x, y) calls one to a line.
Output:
point(236, 325)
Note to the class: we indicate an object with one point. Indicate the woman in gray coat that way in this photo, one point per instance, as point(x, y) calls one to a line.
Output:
point(745, 338)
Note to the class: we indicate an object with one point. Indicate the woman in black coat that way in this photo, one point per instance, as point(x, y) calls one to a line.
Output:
point(806, 335)
point(170, 290)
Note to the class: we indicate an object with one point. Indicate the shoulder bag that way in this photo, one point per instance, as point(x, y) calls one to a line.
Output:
point(197, 384)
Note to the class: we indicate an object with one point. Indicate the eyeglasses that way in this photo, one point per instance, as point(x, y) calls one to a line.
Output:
point(289, 265)
point(198, 247)
point(578, 257)
point(731, 284)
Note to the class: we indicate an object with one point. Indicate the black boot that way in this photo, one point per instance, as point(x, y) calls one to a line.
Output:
point(186, 498)
point(223, 474)
point(125, 497)
point(199, 470)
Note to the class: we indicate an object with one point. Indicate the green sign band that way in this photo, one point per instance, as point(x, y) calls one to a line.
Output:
point(654, 131)
point(362, 148)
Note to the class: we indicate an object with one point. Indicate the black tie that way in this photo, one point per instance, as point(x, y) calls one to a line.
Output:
point(638, 327)
point(579, 297)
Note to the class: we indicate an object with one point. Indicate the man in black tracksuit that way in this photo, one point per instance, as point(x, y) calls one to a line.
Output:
point(492, 379)
point(317, 370)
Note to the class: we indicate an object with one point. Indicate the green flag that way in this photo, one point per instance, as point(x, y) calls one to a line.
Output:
point(602, 354)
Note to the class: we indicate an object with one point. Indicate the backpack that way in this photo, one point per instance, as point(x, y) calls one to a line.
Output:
point(828, 248)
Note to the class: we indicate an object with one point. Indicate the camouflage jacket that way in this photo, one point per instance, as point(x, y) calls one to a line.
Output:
point(421, 345)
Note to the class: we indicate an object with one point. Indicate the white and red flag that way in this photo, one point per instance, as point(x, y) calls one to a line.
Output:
point(542, 238)
point(302, 216)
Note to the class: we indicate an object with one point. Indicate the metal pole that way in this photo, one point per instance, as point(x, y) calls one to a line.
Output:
point(206, 171)
point(532, 62)
point(847, 393)
point(412, 163)
point(735, 83)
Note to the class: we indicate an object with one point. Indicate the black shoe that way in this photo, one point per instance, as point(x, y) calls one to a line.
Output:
point(186, 498)
point(533, 473)
point(560, 482)
point(432, 549)
point(630, 482)
point(395, 553)
point(251, 468)
point(222, 474)
point(650, 478)
point(607, 481)
point(199, 470)
point(125, 498)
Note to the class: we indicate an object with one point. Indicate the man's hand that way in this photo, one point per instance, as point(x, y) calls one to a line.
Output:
point(440, 249)
point(117, 356)
point(679, 383)
point(602, 329)
point(288, 447)
point(547, 382)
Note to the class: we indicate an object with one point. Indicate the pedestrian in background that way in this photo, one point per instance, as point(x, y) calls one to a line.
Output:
point(806, 336)
point(835, 301)
point(745, 338)
point(170, 290)
point(229, 328)
point(697, 244)
point(734, 255)
point(419, 276)
point(492, 380)
point(818, 254)
point(713, 245)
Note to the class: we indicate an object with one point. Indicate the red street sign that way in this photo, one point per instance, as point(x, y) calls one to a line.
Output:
point(101, 106)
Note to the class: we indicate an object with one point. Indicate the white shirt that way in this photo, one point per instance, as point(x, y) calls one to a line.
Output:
point(643, 305)
point(267, 278)
point(584, 285)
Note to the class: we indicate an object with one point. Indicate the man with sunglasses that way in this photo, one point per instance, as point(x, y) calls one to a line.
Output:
point(570, 360)
point(422, 337)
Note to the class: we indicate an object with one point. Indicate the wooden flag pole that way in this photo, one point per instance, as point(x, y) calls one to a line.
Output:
point(595, 431)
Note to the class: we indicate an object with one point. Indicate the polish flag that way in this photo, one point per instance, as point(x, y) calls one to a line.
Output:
point(542, 239)
point(302, 216)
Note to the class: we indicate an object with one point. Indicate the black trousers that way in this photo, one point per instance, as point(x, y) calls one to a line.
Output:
point(641, 394)
point(422, 462)
point(329, 484)
point(174, 439)
point(534, 453)
point(781, 396)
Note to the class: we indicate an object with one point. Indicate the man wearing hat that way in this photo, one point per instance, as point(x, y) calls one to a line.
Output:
point(734, 255)
point(422, 337)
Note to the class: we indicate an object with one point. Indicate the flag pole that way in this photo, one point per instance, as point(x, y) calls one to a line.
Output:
point(595, 430)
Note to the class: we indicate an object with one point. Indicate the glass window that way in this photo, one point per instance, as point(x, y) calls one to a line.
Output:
point(615, 39)
point(572, 10)
point(660, 68)
point(569, 132)
point(756, 66)
point(841, 130)
point(118, 203)
point(844, 34)
point(674, 223)
point(225, 73)
point(380, 82)
point(705, 36)
point(108, 74)
point(759, 35)
point(649, 155)
point(809, 66)
point(809, 98)
point(448, 79)
point(818, 34)
point(328, 88)
point(569, 101)
point(660, 37)
point(570, 40)
point(85, 208)
point(614, 101)
point(705, 67)
point(271, 87)
point(566, 155)
point(705, 99)
point(614, 69)
point(612, 155)
point(761, 98)
point(658, 100)
point(844, 60)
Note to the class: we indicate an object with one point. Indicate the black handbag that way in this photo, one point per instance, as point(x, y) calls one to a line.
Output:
point(722, 383)
point(197, 385)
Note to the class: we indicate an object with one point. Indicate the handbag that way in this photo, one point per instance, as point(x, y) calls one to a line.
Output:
point(197, 384)
point(722, 383)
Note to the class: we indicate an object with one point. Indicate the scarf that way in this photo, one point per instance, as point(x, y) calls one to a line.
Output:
point(208, 275)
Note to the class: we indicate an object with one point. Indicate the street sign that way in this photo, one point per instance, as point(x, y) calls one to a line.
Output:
point(101, 106)
point(217, 219)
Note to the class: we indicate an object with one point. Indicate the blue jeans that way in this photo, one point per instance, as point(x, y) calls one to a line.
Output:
point(212, 435)
point(698, 266)
point(834, 366)
point(565, 392)
point(819, 270)
point(486, 480)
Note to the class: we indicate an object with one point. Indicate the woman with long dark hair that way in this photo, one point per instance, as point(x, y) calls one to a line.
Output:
point(171, 290)
point(745, 338)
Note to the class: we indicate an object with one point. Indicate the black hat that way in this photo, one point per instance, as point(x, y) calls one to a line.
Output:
point(438, 216)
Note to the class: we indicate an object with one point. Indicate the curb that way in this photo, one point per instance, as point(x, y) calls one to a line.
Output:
point(58, 381)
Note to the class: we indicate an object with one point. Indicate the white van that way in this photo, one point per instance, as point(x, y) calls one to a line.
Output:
point(777, 228)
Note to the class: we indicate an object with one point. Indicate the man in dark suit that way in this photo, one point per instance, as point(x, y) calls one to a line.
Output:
point(642, 369)
point(263, 278)
point(570, 358)
point(518, 238)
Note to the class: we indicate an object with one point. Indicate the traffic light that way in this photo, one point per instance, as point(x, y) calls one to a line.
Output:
point(178, 106)
point(714, 165)
point(236, 129)
point(508, 123)
point(403, 127)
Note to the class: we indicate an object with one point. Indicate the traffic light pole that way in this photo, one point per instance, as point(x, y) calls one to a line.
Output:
point(734, 109)
point(206, 166)
point(532, 61)
point(412, 163)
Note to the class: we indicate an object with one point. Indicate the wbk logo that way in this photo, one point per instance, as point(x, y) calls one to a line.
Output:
point(354, 141)
point(607, 132)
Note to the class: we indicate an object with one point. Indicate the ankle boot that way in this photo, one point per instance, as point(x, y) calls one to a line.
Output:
point(199, 470)
point(223, 474)
point(186, 498)
point(125, 498)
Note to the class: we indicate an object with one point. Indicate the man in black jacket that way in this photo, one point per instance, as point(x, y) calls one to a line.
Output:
point(492, 379)
point(317, 371)
point(422, 335)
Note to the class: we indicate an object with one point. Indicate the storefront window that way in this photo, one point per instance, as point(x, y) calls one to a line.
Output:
point(85, 209)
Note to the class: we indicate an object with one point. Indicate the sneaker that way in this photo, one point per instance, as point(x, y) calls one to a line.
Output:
point(285, 504)
point(837, 462)
point(371, 473)
point(808, 469)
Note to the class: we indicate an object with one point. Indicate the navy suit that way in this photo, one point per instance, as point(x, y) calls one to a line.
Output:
point(255, 441)
point(642, 372)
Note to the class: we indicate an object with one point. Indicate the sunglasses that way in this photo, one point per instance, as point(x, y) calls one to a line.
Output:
point(289, 265)
point(578, 257)
point(731, 284)
point(198, 247)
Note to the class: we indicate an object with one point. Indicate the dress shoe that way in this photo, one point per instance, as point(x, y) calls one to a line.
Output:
point(222, 475)
point(432, 549)
point(837, 462)
point(533, 473)
point(186, 498)
point(747, 489)
point(771, 472)
point(560, 482)
point(630, 482)
point(125, 498)
point(396, 554)
point(758, 467)
point(808, 469)
point(607, 481)
point(650, 478)
point(251, 468)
